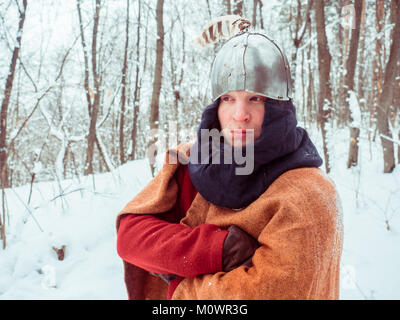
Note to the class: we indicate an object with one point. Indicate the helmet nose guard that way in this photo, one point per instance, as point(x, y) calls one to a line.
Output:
point(254, 63)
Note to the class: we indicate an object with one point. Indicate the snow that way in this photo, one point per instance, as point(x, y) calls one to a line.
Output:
point(354, 110)
point(83, 220)
point(371, 254)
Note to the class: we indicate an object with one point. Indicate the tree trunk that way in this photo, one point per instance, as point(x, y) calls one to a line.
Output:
point(297, 37)
point(396, 93)
point(351, 61)
point(155, 99)
point(344, 35)
point(228, 7)
point(303, 91)
point(4, 152)
point(158, 67)
point(254, 22)
point(85, 57)
point(361, 70)
point(4, 183)
point(310, 91)
point(349, 86)
point(386, 98)
point(377, 65)
point(261, 14)
point(324, 67)
point(91, 138)
point(137, 87)
point(123, 89)
point(396, 103)
point(238, 7)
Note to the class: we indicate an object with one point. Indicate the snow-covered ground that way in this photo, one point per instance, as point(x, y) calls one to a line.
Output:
point(83, 220)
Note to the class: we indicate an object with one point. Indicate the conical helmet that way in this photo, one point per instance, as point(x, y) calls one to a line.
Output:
point(252, 62)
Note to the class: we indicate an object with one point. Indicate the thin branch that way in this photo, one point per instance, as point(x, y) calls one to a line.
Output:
point(27, 208)
point(11, 145)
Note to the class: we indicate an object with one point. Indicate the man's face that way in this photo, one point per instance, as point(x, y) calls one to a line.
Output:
point(238, 111)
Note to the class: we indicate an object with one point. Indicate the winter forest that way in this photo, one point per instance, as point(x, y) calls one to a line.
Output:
point(83, 83)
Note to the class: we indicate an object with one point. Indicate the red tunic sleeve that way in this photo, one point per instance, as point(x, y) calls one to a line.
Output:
point(159, 246)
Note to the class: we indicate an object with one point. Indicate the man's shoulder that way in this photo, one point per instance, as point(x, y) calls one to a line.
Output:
point(307, 187)
point(307, 178)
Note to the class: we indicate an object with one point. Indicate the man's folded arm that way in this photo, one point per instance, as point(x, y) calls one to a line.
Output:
point(162, 247)
point(292, 258)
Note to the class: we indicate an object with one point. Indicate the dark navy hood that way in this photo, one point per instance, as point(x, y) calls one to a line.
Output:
point(282, 146)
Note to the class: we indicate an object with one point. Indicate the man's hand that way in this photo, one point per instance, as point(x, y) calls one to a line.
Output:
point(239, 248)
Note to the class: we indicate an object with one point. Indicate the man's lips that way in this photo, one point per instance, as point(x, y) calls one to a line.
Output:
point(239, 132)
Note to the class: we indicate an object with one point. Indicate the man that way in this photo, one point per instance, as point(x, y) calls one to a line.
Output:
point(200, 230)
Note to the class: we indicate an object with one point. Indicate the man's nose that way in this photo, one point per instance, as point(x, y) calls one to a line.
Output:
point(241, 112)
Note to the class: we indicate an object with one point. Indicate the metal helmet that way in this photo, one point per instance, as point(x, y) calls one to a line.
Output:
point(251, 62)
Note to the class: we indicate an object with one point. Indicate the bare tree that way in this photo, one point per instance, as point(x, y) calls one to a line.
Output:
point(137, 82)
point(378, 62)
point(6, 99)
point(62, 135)
point(228, 7)
point(362, 53)
point(349, 85)
point(85, 56)
point(396, 93)
point(298, 33)
point(386, 97)
point(310, 91)
point(4, 152)
point(93, 107)
point(137, 86)
point(123, 90)
point(91, 138)
point(324, 67)
point(238, 7)
point(155, 99)
point(254, 22)
point(261, 14)
point(338, 96)
point(177, 72)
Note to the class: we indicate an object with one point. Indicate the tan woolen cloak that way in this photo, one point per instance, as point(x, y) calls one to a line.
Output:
point(297, 221)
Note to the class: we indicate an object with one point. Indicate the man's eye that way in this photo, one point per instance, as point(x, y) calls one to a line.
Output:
point(225, 98)
point(256, 98)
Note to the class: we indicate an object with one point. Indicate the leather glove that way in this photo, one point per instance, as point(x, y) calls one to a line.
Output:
point(238, 250)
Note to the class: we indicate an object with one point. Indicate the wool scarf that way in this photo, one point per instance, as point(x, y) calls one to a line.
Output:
point(282, 146)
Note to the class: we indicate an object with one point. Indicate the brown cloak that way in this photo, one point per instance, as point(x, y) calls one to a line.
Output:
point(297, 221)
